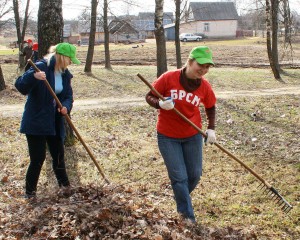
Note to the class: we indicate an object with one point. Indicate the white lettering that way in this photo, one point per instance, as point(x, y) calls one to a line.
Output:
point(182, 94)
point(196, 101)
point(174, 94)
point(188, 97)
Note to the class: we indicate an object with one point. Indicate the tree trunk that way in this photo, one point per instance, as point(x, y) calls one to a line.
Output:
point(287, 22)
point(161, 56)
point(50, 25)
point(177, 40)
point(272, 46)
point(70, 137)
point(21, 34)
point(50, 32)
point(275, 10)
point(2, 82)
point(90, 53)
point(106, 36)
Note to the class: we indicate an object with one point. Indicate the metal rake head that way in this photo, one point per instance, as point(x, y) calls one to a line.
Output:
point(274, 194)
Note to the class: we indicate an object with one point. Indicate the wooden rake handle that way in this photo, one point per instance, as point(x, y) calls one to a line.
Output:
point(285, 206)
point(203, 133)
point(70, 122)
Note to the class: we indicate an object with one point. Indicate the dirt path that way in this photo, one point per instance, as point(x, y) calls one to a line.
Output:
point(15, 110)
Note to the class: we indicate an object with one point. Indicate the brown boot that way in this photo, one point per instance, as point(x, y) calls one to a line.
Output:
point(65, 191)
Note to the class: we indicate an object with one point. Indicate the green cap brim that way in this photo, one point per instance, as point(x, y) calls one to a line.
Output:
point(204, 61)
point(75, 61)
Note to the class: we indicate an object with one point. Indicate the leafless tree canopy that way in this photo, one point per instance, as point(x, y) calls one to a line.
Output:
point(5, 9)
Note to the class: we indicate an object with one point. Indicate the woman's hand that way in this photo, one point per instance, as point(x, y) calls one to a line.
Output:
point(168, 104)
point(40, 75)
point(210, 136)
point(63, 110)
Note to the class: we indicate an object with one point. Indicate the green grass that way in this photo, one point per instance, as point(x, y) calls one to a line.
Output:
point(9, 51)
point(124, 82)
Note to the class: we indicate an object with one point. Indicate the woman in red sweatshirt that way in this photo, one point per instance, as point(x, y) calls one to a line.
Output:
point(179, 143)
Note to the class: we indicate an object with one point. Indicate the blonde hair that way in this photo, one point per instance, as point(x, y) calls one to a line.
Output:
point(188, 61)
point(61, 62)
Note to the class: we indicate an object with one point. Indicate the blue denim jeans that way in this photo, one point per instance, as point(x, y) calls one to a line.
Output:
point(183, 159)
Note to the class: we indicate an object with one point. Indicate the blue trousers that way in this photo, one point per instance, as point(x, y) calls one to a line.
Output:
point(183, 159)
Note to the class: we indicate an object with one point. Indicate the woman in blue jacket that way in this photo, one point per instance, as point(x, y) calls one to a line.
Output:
point(42, 120)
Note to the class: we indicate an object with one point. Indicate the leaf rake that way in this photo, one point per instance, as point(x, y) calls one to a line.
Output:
point(268, 188)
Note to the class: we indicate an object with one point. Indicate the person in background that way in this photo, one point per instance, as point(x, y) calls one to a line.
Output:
point(27, 53)
point(42, 120)
point(179, 143)
point(35, 53)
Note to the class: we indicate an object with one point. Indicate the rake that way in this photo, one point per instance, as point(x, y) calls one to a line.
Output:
point(70, 123)
point(268, 188)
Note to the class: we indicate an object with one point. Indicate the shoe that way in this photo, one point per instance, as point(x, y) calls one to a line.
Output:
point(30, 197)
point(65, 191)
point(189, 222)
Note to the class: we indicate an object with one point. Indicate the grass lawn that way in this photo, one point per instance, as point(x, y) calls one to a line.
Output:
point(227, 202)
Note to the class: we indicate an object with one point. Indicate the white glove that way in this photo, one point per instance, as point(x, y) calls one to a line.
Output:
point(168, 104)
point(210, 136)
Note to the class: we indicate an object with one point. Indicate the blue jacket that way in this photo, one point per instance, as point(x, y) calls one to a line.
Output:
point(40, 115)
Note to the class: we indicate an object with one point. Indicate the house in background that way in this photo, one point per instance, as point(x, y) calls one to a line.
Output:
point(214, 19)
point(122, 31)
point(67, 35)
point(144, 23)
point(169, 31)
point(84, 32)
point(126, 29)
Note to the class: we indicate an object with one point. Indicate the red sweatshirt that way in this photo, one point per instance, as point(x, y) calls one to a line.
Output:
point(187, 102)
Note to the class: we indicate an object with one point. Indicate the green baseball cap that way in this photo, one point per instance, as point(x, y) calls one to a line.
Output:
point(202, 55)
point(68, 50)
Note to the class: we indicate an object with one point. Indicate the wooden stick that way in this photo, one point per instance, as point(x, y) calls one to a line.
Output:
point(70, 122)
point(203, 133)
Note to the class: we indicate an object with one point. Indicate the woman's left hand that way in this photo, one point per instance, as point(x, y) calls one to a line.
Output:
point(210, 136)
point(40, 75)
point(63, 110)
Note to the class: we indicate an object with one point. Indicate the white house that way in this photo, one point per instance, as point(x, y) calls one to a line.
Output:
point(214, 19)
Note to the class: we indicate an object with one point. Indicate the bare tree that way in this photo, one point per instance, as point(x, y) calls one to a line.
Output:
point(161, 55)
point(21, 33)
point(177, 27)
point(287, 23)
point(2, 82)
point(178, 14)
point(50, 25)
point(106, 35)
point(5, 9)
point(90, 53)
point(272, 37)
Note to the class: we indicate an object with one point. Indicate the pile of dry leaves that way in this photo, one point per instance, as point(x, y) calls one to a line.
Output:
point(107, 212)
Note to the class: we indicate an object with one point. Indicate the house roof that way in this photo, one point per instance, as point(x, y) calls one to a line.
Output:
point(84, 26)
point(151, 15)
point(171, 25)
point(205, 11)
point(145, 20)
point(121, 26)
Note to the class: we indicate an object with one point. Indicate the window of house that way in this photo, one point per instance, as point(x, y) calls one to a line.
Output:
point(206, 27)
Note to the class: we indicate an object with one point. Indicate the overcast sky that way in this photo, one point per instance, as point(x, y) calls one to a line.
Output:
point(73, 8)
